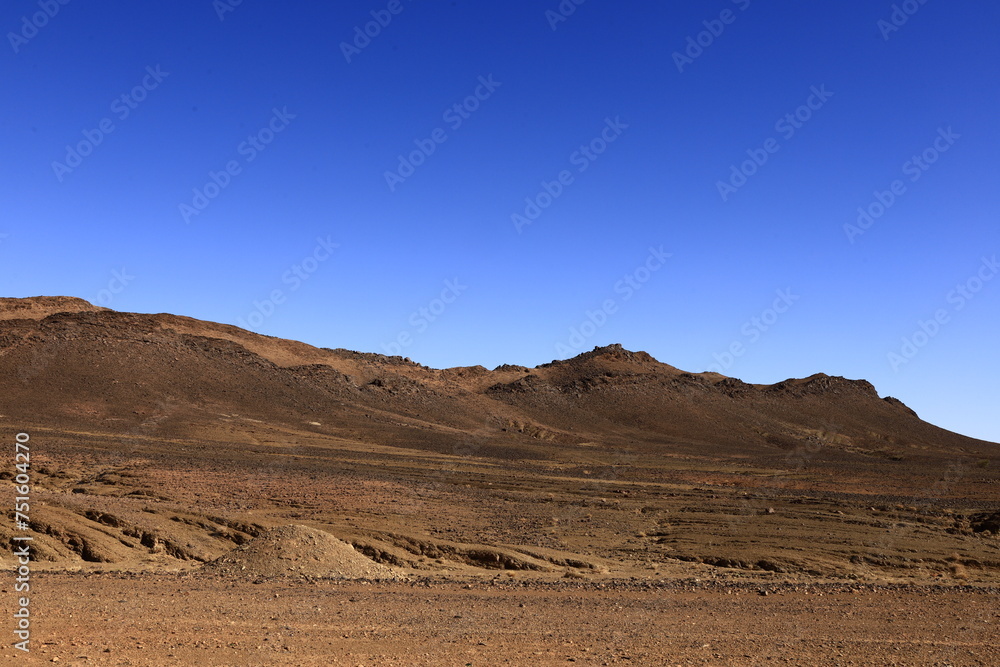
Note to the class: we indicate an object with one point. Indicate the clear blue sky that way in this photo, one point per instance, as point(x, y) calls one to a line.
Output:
point(631, 135)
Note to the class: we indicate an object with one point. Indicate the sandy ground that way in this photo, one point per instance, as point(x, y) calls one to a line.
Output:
point(100, 619)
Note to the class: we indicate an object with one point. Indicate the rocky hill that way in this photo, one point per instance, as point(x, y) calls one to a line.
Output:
point(161, 440)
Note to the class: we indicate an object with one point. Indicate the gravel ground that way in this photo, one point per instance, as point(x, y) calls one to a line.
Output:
point(99, 619)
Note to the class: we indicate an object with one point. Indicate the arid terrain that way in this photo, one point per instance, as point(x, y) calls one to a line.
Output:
point(205, 495)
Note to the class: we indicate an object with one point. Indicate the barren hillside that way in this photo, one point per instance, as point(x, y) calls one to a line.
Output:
point(162, 441)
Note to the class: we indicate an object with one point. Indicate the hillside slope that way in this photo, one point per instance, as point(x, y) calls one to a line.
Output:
point(163, 441)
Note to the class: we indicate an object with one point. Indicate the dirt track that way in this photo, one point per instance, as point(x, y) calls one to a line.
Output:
point(186, 620)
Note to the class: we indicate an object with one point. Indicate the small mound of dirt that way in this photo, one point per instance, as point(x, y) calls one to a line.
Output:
point(297, 550)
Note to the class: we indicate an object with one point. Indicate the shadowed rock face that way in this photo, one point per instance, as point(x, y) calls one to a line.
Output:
point(985, 521)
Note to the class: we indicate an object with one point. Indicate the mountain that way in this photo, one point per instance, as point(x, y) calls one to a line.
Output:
point(173, 414)
point(99, 367)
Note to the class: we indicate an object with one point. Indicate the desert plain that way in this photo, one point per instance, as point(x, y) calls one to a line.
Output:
point(201, 494)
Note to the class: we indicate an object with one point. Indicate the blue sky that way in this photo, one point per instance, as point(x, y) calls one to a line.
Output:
point(517, 182)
